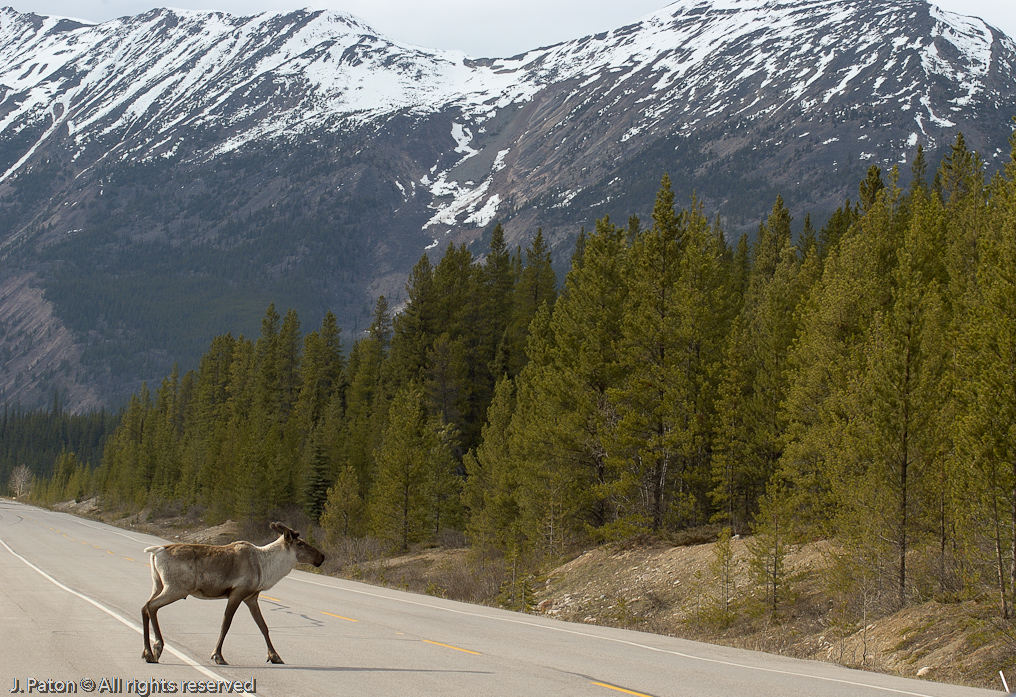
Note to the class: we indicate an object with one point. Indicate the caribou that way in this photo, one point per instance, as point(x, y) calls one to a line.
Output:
point(238, 572)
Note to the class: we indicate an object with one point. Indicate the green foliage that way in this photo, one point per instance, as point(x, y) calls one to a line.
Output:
point(724, 570)
point(37, 439)
point(855, 386)
point(343, 509)
point(414, 492)
point(316, 481)
point(773, 533)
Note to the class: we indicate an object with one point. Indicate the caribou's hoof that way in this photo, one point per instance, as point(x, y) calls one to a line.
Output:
point(149, 656)
point(217, 657)
point(158, 651)
point(275, 658)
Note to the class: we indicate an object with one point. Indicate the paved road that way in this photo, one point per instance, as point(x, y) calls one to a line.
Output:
point(71, 592)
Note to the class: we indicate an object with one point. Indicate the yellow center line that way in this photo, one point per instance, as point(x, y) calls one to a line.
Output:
point(108, 552)
point(349, 619)
point(128, 559)
point(274, 600)
point(619, 689)
point(449, 646)
point(97, 546)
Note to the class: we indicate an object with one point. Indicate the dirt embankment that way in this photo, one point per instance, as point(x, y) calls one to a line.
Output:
point(674, 590)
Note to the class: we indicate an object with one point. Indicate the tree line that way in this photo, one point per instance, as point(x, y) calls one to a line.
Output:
point(44, 441)
point(853, 384)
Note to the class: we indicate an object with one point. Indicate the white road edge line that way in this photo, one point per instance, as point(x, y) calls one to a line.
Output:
point(81, 521)
point(106, 529)
point(115, 615)
point(616, 641)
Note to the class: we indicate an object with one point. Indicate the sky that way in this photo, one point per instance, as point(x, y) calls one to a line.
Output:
point(480, 28)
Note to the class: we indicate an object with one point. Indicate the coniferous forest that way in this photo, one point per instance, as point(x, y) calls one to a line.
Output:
point(854, 384)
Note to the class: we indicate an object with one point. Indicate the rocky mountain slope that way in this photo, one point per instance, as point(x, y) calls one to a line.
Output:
point(164, 177)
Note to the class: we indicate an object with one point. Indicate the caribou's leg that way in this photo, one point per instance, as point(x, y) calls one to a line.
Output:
point(157, 588)
point(150, 612)
point(255, 611)
point(227, 619)
point(147, 653)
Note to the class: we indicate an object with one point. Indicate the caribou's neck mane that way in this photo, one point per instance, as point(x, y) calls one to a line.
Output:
point(274, 561)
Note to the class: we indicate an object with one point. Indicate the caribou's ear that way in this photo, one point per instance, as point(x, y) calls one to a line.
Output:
point(295, 533)
point(278, 527)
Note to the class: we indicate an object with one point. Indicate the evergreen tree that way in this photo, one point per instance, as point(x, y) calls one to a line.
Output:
point(836, 227)
point(414, 328)
point(646, 436)
point(322, 373)
point(367, 397)
point(755, 373)
point(316, 481)
point(892, 433)
point(985, 454)
point(809, 237)
point(537, 286)
point(834, 316)
point(773, 533)
point(493, 479)
point(564, 410)
point(342, 515)
point(870, 187)
point(411, 486)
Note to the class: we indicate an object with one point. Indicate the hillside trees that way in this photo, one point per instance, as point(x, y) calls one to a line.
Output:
point(31, 441)
point(755, 370)
point(854, 384)
point(287, 421)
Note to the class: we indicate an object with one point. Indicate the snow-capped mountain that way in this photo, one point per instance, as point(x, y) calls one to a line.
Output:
point(315, 160)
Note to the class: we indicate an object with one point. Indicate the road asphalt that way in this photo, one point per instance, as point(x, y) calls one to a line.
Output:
point(71, 592)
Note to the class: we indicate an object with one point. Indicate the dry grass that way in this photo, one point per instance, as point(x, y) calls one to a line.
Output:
point(670, 590)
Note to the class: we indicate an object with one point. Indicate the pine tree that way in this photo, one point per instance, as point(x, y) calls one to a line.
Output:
point(755, 374)
point(837, 226)
point(316, 480)
point(646, 436)
point(833, 318)
point(892, 435)
point(322, 374)
point(723, 569)
point(870, 187)
point(985, 440)
point(809, 237)
point(919, 171)
point(415, 328)
point(342, 515)
point(367, 397)
point(569, 379)
point(537, 286)
point(493, 479)
point(773, 533)
point(497, 279)
point(399, 506)
point(415, 492)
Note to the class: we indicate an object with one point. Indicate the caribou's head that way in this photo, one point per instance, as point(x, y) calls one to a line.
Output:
point(305, 554)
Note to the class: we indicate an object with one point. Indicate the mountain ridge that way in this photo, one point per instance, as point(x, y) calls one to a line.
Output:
point(303, 158)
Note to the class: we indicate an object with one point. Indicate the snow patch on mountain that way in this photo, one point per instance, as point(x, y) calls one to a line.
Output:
point(282, 76)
